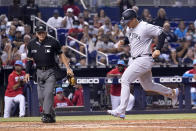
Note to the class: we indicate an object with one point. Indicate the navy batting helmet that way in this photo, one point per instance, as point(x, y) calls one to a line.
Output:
point(127, 15)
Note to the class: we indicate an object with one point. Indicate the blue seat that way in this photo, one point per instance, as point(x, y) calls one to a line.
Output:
point(174, 24)
point(61, 33)
point(113, 58)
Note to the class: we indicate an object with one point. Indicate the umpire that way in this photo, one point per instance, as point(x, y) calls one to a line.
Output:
point(42, 51)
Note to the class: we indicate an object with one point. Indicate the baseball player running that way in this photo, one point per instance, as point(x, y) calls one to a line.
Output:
point(140, 35)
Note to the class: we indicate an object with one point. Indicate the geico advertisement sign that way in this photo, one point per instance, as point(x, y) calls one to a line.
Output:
point(88, 81)
point(170, 79)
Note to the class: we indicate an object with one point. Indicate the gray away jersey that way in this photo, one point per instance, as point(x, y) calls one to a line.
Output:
point(140, 38)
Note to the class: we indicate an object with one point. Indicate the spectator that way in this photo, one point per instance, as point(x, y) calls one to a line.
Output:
point(125, 4)
point(189, 57)
point(11, 34)
point(181, 31)
point(169, 46)
point(3, 19)
point(112, 38)
point(182, 45)
point(115, 89)
point(2, 34)
point(81, 20)
point(7, 50)
point(192, 74)
point(69, 19)
point(105, 45)
point(100, 34)
point(56, 20)
point(60, 101)
point(14, 91)
point(191, 34)
point(96, 21)
point(161, 17)
point(86, 15)
point(86, 38)
point(75, 32)
point(82, 62)
point(71, 4)
point(117, 33)
point(171, 37)
point(23, 48)
point(102, 16)
point(146, 16)
point(174, 58)
point(107, 25)
point(182, 49)
point(15, 56)
point(18, 41)
point(27, 30)
point(31, 9)
point(15, 11)
point(18, 24)
point(78, 98)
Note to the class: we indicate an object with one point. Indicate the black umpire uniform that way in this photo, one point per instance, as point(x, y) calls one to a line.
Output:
point(43, 54)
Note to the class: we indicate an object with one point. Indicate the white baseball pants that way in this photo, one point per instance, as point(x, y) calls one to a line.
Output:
point(115, 101)
point(10, 102)
point(139, 68)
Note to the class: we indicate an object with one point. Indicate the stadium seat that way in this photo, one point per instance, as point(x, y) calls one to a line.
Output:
point(62, 32)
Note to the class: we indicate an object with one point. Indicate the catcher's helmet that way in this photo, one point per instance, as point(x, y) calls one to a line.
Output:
point(127, 15)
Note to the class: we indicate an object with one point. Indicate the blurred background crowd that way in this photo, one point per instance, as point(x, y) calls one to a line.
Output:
point(96, 31)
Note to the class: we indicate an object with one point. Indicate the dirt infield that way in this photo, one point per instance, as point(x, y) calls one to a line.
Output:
point(113, 125)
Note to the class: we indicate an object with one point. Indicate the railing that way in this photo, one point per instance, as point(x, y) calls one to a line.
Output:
point(102, 54)
point(37, 21)
point(76, 51)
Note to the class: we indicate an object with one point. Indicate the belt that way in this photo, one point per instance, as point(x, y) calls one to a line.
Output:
point(141, 56)
point(45, 67)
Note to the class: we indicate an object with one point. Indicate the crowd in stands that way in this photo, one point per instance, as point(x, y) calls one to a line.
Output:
point(102, 35)
point(97, 31)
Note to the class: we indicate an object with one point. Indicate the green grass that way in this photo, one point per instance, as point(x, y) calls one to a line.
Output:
point(106, 117)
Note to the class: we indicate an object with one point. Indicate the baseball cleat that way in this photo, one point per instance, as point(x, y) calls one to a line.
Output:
point(175, 96)
point(115, 114)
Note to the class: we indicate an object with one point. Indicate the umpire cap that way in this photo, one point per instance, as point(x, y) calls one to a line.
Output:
point(40, 28)
point(127, 15)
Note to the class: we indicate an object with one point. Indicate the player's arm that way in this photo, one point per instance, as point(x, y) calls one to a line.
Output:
point(156, 31)
point(12, 83)
point(161, 41)
point(17, 85)
point(65, 61)
point(112, 74)
point(63, 58)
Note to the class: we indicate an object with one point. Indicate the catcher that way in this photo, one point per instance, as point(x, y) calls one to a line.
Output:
point(42, 51)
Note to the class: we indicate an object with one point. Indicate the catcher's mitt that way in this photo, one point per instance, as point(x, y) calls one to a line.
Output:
point(71, 80)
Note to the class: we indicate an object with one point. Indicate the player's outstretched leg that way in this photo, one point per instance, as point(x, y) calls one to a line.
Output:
point(148, 85)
